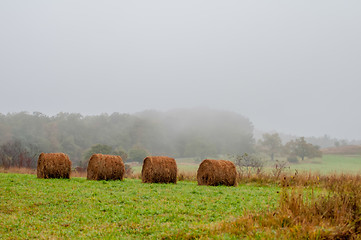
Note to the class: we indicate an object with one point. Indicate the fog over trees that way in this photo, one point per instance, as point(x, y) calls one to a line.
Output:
point(178, 133)
point(196, 133)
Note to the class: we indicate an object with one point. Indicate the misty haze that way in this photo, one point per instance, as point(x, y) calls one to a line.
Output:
point(269, 88)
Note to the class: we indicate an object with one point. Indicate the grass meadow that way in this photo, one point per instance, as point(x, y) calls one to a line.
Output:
point(331, 163)
point(322, 203)
point(32, 208)
point(326, 164)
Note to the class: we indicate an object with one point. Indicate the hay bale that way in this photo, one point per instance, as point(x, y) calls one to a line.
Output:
point(53, 165)
point(159, 169)
point(105, 167)
point(217, 172)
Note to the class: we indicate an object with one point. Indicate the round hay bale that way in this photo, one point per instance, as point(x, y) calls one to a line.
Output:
point(159, 169)
point(105, 167)
point(217, 172)
point(53, 165)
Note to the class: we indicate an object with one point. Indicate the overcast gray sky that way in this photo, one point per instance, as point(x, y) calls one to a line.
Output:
point(289, 66)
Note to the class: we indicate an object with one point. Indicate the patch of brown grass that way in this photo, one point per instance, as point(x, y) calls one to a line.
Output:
point(187, 176)
point(343, 150)
point(18, 170)
point(261, 178)
point(332, 211)
point(286, 179)
point(81, 174)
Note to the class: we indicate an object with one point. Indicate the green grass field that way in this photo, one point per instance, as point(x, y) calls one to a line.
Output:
point(331, 163)
point(326, 164)
point(32, 208)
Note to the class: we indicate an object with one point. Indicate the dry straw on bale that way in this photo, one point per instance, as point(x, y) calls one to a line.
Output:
point(159, 170)
point(105, 167)
point(53, 165)
point(217, 172)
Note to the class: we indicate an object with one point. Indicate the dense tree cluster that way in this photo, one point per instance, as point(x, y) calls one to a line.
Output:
point(177, 133)
point(302, 149)
point(271, 144)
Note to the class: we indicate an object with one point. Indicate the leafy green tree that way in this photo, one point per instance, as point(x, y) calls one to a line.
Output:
point(103, 149)
point(314, 151)
point(120, 152)
point(271, 144)
point(137, 154)
point(98, 148)
point(200, 148)
point(302, 149)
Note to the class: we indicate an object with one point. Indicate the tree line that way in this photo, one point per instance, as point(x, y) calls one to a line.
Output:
point(178, 133)
point(271, 144)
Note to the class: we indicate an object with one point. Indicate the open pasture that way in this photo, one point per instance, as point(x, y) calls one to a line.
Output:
point(32, 208)
point(331, 163)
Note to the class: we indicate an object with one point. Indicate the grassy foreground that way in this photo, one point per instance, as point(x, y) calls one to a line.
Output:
point(32, 208)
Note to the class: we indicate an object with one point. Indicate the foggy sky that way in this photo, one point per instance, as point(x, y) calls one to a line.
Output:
point(289, 66)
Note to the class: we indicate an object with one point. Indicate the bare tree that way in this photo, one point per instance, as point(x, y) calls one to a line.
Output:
point(271, 144)
point(248, 164)
point(15, 154)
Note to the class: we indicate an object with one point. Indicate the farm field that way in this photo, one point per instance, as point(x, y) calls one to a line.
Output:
point(32, 208)
point(327, 164)
point(331, 163)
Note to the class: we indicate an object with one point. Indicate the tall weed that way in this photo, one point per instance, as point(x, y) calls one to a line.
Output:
point(329, 210)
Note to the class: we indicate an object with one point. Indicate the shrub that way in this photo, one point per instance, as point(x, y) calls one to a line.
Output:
point(248, 164)
point(137, 155)
point(128, 170)
point(292, 159)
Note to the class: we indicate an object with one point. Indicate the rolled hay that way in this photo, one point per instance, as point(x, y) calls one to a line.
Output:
point(159, 169)
point(217, 172)
point(53, 165)
point(105, 167)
